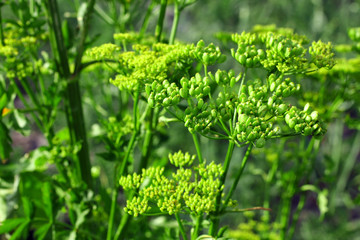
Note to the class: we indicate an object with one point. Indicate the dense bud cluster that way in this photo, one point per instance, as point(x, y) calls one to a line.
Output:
point(216, 104)
point(130, 37)
point(180, 193)
point(23, 64)
point(322, 55)
point(207, 55)
point(105, 51)
point(305, 122)
point(180, 159)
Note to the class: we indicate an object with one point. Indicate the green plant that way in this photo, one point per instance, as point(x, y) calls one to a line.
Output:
point(251, 96)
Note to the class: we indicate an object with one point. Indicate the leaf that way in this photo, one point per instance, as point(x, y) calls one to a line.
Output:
point(323, 203)
point(42, 231)
point(22, 231)
point(5, 142)
point(20, 118)
point(3, 101)
point(47, 200)
point(28, 208)
point(10, 224)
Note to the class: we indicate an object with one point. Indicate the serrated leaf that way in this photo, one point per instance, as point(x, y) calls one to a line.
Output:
point(42, 231)
point(22, 231)
point(10, 224)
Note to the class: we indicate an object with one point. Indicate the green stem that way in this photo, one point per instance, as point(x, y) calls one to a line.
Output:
point(148, 140)
point(121, 231)
point(237, 178)
point(296, 216)
point(83, 34)
point(73, 104)
point(112, 212)
point(160, 23)
point(197, 146)
point(145, 23)
point(196, 231)
point(214, 225)
point(181, 226)
point(175, 24)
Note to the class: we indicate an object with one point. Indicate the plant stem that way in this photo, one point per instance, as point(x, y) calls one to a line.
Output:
point(214, 225)
point(148, 141)
point(181, 226)
point(112, 213)
point(121, 231)
point(160, 23)
point(296, 216)
point(83, 34)
point(125, 218)
point(237, 178)
point(197, 146)
point(175, 24)
point(147, 18)
point(196, 230)
point(73, 104)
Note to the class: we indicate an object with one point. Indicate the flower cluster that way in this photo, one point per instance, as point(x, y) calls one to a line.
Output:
point(20, 65)
point(216, 104)
point(322, 54)
point(105, 51)
point(181, 193)
point(207, 55)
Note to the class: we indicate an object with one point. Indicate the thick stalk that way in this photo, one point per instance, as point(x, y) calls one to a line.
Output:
point(196, 230)
point(214, 225)
point(160, 23)
point(181, 226)
point(237, 178)
point(73, 104)
point(175, 24)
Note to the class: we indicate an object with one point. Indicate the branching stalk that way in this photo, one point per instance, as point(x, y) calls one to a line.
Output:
point(214, 225)
point(237, 178)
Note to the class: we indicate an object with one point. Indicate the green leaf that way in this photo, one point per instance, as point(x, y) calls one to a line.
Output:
point(47, 199)
point(42, 231)
point(10, 224)
point(323, 203)
point(3, 101)
point(22, 231)
point(20, 118)
point(5, 142)
point(27, 205)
